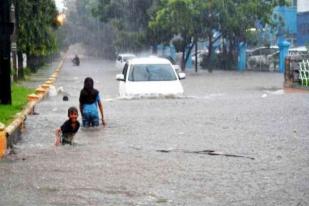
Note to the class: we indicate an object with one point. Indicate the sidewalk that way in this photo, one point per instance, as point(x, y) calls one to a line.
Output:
point(41, 80)
point(36, 79)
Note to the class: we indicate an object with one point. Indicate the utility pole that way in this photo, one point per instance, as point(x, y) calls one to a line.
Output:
point(6, 29)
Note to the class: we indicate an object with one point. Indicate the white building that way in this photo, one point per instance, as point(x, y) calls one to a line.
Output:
point(302, 5)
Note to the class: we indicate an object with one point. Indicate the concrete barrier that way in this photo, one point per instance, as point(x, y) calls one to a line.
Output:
point(33, 97)
point(40, 91)
point(45, 86)
point(3, 141)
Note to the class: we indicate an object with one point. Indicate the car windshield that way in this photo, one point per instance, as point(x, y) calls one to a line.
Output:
point(152, 72)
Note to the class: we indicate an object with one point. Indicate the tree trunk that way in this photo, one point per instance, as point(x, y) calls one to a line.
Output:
point(210, 60)
point(183, 63)
point(32, 63)
point(196, 58)
point(187, 53)
point(230, 54)
point(15, 69)
point(210, 45)
point(20, 66)
point(154, 49)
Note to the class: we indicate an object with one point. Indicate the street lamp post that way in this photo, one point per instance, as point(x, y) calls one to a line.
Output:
point(6, 29)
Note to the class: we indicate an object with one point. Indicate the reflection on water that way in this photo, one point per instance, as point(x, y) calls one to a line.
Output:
point(136, 97)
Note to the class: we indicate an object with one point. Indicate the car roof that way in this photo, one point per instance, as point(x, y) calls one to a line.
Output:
point(300, 49)
point(149, 60)
point(126, 54)
point(263, 47)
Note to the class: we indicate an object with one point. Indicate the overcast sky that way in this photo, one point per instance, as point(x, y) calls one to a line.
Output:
point(59, 4)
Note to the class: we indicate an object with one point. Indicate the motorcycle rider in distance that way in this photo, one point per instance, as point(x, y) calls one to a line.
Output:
point(76, 60)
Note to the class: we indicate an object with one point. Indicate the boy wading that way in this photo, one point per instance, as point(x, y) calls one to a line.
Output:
point(68, 129)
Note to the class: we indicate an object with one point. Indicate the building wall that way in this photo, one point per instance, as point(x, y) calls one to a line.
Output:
point(288, 14)
point(302, 37)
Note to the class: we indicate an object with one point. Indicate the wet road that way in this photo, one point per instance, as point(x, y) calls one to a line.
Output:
point(156, 151)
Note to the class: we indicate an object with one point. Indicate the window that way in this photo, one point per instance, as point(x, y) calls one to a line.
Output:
point(152, 72)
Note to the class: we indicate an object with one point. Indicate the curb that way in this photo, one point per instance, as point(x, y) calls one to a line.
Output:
point(33, 99)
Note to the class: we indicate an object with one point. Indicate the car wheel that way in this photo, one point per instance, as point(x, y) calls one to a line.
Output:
point(252, 65)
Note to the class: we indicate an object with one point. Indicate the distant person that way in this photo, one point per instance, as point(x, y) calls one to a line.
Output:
point(89, 101)
point(65, 134)
point(76, 60)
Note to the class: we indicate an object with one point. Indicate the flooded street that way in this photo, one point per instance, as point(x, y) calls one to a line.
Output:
point(232, 139)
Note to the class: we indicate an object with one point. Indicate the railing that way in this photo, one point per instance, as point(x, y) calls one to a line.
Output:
point(297, 71)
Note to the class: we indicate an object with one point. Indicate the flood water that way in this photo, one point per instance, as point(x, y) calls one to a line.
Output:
point(156, 151)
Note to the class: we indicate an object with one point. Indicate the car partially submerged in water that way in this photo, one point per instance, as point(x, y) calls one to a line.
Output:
point(149, 77)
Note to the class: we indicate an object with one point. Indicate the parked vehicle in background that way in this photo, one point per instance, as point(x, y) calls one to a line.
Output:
point(298, 50)
point(122, 58)
point(201, 54)
point(263, 58)
point(173, 62)
point(149, 76)
point(267, 58)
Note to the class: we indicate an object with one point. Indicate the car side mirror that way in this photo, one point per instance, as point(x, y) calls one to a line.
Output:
point(120, 77)
point(181, 75)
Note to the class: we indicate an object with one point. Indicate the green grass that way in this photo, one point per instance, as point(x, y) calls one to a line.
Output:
point(19, 101)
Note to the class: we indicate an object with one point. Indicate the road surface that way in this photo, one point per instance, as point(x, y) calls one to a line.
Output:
point(159, 151)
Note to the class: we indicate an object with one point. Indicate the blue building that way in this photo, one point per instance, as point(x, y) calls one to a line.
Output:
point(302, 28)
point(286, 18)
point(302, 22)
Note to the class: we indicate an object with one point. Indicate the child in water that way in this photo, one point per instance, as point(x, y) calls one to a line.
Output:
point(89, 101)
point(65, 134)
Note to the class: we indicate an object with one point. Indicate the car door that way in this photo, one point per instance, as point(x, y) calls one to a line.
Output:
point(122, 84)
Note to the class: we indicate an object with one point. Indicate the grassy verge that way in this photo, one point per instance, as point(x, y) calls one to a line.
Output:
point(19, 101)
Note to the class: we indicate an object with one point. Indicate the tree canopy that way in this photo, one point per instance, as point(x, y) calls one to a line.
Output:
point(129, 20)
point(139, 24)
point(198, 19)
point(35, 27)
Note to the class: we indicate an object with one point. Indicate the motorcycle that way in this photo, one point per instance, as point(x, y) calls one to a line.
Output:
point(76, 61)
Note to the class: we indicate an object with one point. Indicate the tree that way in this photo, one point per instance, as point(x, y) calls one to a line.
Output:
point(198, 19)
point(36, 25)
point(205, 25)
point(82, 26)
point(129, 20)
point(235, 18)
point(174, 17)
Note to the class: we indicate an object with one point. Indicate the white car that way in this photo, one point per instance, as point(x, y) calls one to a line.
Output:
point(149, 77)
point(201, 54)
point(267, 58)
point(263, 58)
point(122, 58)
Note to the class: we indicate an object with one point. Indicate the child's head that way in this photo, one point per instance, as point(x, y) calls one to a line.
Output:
point(73, 113)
